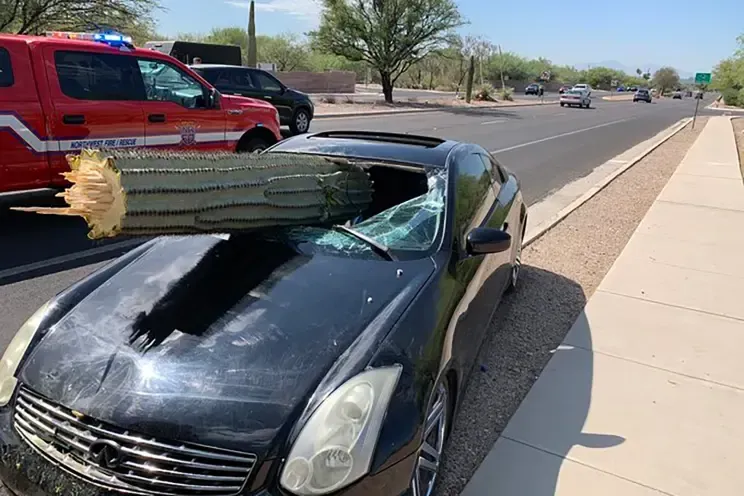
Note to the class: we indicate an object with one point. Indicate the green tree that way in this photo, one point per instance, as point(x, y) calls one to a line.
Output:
point(728, 76)
point(284, 50)
point(389, 35)
point(666, 78)
point(37, 16)
point(252, 48)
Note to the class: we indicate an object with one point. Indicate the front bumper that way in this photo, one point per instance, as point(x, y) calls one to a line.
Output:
point(26, 472)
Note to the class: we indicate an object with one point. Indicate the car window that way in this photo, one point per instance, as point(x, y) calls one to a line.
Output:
point(493, 170)
point(98, 76)
point(473, 193)
point(167, 83)
point(6, 71)
point(242, 80)
point(411, 226)
point(266, 82)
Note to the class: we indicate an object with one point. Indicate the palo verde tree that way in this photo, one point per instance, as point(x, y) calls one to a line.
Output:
point(666, 78)
point(38, 16)
point(389, 35)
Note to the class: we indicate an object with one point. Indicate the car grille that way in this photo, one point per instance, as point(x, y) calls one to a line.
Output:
point(145, 466)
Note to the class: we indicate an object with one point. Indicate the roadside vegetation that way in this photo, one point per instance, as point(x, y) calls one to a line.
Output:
point(364, 37)
point(728, 76)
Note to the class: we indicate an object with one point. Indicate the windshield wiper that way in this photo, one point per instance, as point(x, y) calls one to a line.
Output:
point(376, 246)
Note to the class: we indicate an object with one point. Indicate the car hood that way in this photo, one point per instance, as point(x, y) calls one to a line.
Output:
point(243, 102)
point(216, 342)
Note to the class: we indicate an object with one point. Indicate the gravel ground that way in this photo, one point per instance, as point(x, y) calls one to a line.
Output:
point(738, 124)
point(561, 271)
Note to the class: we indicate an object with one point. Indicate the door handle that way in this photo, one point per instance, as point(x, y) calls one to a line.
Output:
point(73, 119)
point(156, 117)
point(268, 97)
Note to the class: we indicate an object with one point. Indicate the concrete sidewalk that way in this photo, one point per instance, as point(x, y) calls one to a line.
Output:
point(645, 397)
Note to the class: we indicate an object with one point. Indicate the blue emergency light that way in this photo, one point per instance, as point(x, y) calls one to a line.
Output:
point(111, 38)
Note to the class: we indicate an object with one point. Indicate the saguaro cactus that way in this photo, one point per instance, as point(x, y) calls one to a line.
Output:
point(469, 86)
point(149, 193)
point(252, 49)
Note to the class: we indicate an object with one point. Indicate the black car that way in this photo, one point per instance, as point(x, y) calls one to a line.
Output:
point(299, 360)
point(295, 108)
point(642, 95)
point(532, 89)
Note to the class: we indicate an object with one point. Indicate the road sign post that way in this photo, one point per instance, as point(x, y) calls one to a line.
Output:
point(700, 79)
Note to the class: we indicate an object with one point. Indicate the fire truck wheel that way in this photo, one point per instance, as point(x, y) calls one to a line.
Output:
point(253, 145)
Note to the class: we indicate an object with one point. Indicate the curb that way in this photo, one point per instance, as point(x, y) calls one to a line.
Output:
point(546, 226)
point(423, 111)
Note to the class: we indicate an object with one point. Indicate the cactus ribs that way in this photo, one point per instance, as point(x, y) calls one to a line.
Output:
point(135, 192)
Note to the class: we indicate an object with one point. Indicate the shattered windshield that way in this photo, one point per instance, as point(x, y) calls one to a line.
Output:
point(413, 225)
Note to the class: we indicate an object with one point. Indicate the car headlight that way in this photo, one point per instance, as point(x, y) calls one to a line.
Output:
point(15, 351)
point(336, 445)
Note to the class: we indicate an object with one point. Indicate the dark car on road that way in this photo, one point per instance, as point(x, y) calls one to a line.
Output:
point(532, 89)
point(325, 359)
point(642, 95)
point(296, 109)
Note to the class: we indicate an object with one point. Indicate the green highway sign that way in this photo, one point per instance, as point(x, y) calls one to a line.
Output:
point(702, 78)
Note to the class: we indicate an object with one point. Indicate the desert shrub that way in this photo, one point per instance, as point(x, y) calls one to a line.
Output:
point(731, 97)
point(506, 94)
point(485, 93)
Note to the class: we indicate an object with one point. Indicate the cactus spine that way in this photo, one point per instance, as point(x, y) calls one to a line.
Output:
point(133, 192)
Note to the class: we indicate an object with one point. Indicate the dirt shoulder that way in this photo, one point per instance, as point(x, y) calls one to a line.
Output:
point(349, 106)
point(561, 271)
point(738, 124)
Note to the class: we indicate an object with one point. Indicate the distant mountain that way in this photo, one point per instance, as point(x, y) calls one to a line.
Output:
point(619, 66)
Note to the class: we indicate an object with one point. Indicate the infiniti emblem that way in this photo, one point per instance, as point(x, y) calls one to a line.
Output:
point(106, 454)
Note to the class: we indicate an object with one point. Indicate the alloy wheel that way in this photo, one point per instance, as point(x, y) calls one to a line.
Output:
point(430, 453)
point(302, 122)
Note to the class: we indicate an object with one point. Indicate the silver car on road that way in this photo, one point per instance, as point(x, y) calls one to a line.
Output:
point(575, 97)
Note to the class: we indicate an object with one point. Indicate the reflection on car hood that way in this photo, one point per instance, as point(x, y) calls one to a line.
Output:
point(234, 101)
point(215, 342)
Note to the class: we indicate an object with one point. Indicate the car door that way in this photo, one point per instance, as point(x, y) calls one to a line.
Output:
point(475, 205)
point(507, 217)
point(275, 92)
point(23, 161)
point(177, 114)
point(97, 98)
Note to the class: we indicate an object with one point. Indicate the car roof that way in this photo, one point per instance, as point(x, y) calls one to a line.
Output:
point(83, 45)
point(220, 66)
point(405, 149)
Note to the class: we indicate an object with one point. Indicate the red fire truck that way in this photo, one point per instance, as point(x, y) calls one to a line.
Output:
point(63, 92)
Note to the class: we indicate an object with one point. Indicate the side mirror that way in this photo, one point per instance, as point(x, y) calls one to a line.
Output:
point(484, 240)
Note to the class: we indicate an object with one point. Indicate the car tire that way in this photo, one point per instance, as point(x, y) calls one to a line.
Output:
point(562, 104)
point(300, 121)
point(439, 418)
point(253, 145)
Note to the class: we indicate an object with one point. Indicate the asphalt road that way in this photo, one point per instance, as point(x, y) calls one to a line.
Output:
point(547, 146)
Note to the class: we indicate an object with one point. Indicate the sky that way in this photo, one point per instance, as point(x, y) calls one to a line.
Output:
point(690, 35)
